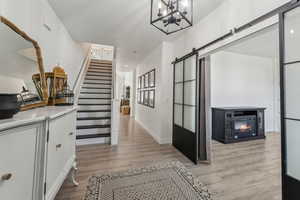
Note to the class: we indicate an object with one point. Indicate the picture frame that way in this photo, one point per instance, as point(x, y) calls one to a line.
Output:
point(152, 98)
point(142, 97)
point(146, 98)
point(139, 83)
point(142, 81)
point(138, 94)
point(152, 78)
point(146, 80)
point(146, 89)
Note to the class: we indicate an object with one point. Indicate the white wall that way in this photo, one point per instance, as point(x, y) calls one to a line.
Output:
point(57, 45)
point(158, 121)
point(166, 91)
point(146, 116)
point(11, 86)
point(243, 80)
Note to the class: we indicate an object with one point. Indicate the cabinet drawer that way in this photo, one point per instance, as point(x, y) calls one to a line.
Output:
point(61, 149)
point(17, 158)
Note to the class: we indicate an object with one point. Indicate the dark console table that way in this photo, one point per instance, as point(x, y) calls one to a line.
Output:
point(236, 124)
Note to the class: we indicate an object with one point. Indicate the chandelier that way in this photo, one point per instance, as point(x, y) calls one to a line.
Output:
point(171, 16)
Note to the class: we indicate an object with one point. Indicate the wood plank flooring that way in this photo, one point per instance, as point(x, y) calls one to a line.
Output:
point(242, 171)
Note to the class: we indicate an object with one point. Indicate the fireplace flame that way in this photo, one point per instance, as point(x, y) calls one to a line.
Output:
point(245, 127)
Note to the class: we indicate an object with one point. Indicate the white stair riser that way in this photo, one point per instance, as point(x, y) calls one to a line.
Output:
point(93, 114)
point(95, 96)
point(100, 66)
point(92, 131)
point(106, 107)
point(96, 86)
point(99, 77)
point(93, 101)
point(93, 69)
point(93, 122)
point(81, 142)
point(96, 74)
point(96, 90)
point(98, 81)
point(99, 70)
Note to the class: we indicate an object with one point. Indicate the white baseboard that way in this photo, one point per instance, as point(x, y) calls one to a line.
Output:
point(155, 137)
point(166, 141)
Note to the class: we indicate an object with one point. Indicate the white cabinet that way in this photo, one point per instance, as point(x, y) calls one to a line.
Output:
point(37, 152)
point(60, 152)
point(19, 165)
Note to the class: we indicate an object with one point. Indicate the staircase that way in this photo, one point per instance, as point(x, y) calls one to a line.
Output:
point(94, 112)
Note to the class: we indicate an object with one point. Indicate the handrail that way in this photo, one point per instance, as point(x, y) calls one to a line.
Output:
point(79, 80)
point(83, 65)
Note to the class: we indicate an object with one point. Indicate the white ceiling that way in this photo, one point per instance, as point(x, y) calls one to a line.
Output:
point(263, 44)
point(124, 24)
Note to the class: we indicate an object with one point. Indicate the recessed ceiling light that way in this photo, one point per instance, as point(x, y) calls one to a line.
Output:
point(292, 31)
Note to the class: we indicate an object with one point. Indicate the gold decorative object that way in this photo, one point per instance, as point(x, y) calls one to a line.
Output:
point(57, 81)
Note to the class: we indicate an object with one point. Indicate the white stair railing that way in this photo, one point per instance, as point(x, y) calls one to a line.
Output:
point(81, 75)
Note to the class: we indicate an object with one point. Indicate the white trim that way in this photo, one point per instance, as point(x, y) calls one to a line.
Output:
point(82, 74)
point(155, 137)
point(115, 122)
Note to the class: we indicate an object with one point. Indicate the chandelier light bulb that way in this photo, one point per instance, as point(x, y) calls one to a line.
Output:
point(165, 13)
point(184, 3)
point(159, 5)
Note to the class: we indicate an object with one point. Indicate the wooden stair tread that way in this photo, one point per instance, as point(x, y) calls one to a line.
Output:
point(97, 88)
point(95, 92)
point(92, 126)
point(92, 118)
point(91, 136)
point(91, 83)
point(94, 98)
point(93, 111)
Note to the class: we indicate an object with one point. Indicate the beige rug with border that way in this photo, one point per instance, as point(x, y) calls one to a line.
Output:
point(162, 181)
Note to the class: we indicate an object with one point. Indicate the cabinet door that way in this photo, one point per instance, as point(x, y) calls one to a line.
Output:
point(61, 151)
point(17, 157)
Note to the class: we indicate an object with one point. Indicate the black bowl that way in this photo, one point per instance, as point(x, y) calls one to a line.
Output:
point(8, 105)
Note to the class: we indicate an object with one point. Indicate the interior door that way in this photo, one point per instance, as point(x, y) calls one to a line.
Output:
point(290, 97)
point(185, 130)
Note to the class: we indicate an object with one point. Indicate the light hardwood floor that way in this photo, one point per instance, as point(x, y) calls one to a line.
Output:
point(241, 171)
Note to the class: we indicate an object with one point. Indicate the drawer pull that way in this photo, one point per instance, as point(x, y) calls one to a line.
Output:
point(6, 177)
point(58, 146)
point(71, 133)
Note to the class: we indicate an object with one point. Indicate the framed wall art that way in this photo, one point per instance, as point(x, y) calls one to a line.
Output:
point(146, 89)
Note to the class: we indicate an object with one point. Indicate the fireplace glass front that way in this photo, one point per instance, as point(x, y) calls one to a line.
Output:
point(245, 126)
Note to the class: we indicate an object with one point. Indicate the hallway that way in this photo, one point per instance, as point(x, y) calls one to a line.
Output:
point(242, 171)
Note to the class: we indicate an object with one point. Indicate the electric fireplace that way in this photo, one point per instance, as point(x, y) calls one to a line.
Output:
point(238, 124)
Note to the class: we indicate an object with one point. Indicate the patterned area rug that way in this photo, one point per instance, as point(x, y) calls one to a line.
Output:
point(164, 181)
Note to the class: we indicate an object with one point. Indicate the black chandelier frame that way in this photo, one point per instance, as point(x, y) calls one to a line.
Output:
point(174, 11)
